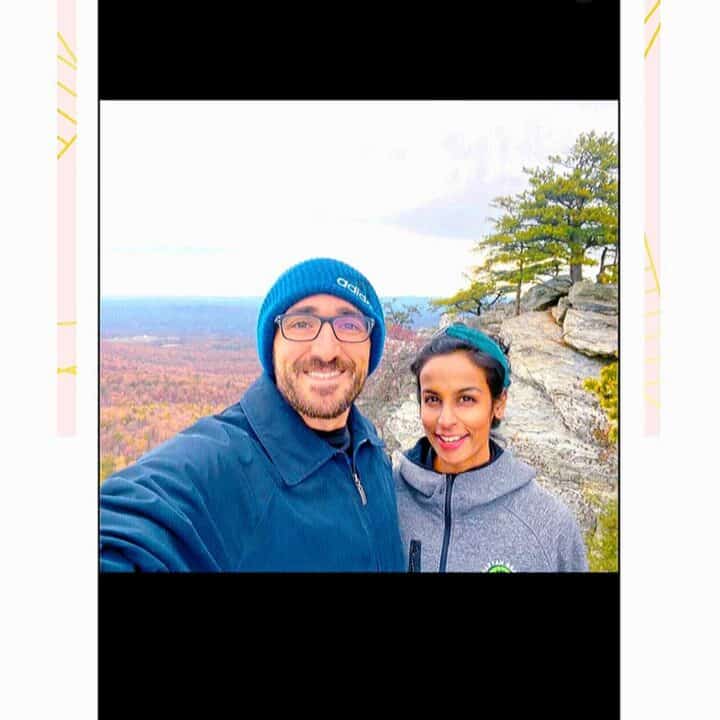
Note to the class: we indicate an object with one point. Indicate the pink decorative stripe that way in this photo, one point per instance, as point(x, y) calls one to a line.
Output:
point(67, 128)
point(652, 218)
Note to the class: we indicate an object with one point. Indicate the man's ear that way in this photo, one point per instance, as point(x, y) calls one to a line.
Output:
point(499, 405)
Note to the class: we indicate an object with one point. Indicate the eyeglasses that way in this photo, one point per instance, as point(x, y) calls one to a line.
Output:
point(303, 327)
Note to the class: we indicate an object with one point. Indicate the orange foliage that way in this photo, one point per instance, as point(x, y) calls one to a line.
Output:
point(150, 391)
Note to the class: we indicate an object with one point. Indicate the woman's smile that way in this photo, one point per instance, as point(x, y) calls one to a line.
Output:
point(450, 442)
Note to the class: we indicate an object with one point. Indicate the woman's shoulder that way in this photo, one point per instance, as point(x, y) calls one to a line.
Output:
point(539, 508)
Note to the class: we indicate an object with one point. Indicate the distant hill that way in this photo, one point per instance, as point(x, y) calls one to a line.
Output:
point(196, 316)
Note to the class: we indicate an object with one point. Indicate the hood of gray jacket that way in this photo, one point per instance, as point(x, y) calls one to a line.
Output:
point(470, 489)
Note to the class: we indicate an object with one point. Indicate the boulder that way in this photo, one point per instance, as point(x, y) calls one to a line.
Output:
point(591, 333)
point(590, 297)
point(555, 424)
point(491, 320)
point(543, 295)
point(403, 428)
point(558, 311)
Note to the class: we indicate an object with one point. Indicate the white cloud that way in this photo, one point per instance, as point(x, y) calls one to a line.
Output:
point(216, 198)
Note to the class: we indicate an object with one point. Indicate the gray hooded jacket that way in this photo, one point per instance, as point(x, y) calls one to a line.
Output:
point(492, 519)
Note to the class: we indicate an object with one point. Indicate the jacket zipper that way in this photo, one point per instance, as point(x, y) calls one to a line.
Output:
point(356, 477)
point(363, 500)
point(358, 485)
point(414, 556)
point(448, 523)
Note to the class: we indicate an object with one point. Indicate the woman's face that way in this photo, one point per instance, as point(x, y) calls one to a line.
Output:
point(457, 409)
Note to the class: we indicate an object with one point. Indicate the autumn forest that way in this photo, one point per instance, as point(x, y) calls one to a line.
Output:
point(151, 389)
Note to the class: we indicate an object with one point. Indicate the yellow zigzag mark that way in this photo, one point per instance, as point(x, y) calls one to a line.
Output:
point(67, 62)
point(652, 265)
point(654, 8)
point(70, 52)
point(652, 400)
point(71, 370)
point(652, 40)
point(66, 323)
point(65, 115)
point(66, 143)
point(67, 89)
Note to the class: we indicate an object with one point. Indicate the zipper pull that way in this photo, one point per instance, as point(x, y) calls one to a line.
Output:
point(414, 556)
point(360, 489)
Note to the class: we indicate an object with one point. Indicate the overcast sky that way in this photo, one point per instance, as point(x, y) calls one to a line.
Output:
point(218, 198)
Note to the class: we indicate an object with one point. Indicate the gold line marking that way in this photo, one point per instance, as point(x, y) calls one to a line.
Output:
point(654, 8)
point(652, 40)
point(652, 382)
point(72, 54)
point(62, 152)
point(66, 323)
point(652, 264)
point(65, 115)
point(652, 290)
point(67, 89)
point(62, 140)
point(71, 370)
point(652, 359)
point(67, 62)
point(652, 400)
point(652, 337)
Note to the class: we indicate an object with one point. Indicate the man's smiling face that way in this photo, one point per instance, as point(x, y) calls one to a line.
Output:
point(321, 378)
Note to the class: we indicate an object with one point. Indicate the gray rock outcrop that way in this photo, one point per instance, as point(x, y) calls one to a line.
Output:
point(491, 320)
point(403, 428)
point(541, 362)
point(551, 421)
point(590, 297)
point(559, 310)
point(542, 296)
point(591, 333)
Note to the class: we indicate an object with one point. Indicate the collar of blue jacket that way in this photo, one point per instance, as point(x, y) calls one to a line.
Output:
point(296, 450)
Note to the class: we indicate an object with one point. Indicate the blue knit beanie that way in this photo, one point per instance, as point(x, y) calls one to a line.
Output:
point(314, 277)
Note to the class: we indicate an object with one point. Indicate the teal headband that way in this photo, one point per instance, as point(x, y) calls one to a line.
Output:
point(483, 343)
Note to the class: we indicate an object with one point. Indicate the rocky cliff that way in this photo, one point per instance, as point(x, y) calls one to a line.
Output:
point(551, 421)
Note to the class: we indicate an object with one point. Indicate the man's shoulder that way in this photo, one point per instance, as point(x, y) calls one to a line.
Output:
point(215, 433)
point(213, 441)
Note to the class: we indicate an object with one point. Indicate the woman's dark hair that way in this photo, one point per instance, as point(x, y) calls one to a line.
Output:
point(445, 344)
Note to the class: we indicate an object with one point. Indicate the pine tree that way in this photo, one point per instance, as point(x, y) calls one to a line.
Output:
point(572, 206)
point(516, 253)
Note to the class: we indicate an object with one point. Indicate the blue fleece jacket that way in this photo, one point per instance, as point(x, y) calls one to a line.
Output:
point(254, 489)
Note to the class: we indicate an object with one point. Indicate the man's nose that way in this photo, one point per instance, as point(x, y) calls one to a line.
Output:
point(325, 345)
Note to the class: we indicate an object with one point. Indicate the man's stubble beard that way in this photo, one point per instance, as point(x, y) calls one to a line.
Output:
point(287, 378)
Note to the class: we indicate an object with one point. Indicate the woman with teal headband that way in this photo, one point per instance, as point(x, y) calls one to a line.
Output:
point(465, 503)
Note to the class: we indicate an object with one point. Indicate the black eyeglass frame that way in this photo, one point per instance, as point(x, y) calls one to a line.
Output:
point(330, 320)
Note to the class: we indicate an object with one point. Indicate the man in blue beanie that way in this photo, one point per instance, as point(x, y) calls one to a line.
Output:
point(290, 478)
